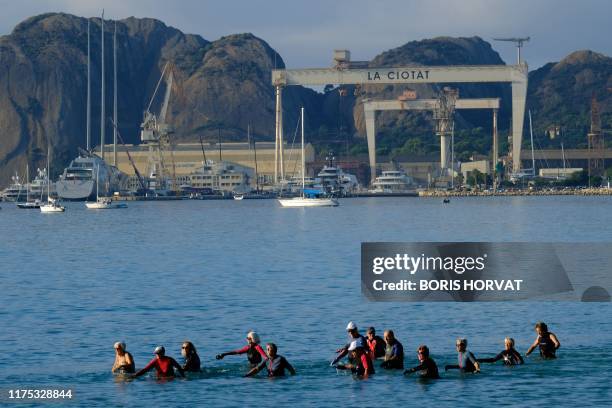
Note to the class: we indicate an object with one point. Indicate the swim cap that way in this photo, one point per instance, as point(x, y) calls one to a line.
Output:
point(120, 344)
point(351, 326)
point(160, 350)
point(253, 336)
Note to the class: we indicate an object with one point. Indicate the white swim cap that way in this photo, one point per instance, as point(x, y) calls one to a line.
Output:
point(253, 336)
point(351, 326)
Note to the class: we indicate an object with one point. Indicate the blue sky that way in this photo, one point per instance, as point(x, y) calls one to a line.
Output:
point(306, 32)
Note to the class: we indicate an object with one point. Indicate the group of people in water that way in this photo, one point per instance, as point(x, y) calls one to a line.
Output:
point(259, 360)
point(361, 352)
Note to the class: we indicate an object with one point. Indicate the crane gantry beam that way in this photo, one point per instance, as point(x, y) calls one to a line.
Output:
point(371, 106)
point(516, 75)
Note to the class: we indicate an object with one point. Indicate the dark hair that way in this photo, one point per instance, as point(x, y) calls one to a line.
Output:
point(190, 347)
point(371, 330)
point(424, 350)
point(542, 326)
point(273, 347)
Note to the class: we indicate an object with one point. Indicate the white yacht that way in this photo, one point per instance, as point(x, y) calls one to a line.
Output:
point(222, 177)
point(392, 181)
point(79, 181)
point(16, 191)
point(334, 180)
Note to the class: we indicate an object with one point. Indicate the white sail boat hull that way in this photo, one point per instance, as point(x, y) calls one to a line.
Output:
point(308, 202)
point(51, 208)
point(102, 205)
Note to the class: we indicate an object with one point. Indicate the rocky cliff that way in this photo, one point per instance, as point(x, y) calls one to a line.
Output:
point(224, 85)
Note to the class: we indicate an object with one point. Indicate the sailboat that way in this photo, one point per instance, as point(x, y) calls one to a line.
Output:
point(309, 198)
point(102, 203)
point(28, 204)
point(52, 206)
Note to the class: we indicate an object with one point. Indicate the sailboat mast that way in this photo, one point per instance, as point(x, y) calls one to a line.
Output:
point(27, 182)
point(88, 86)
point(532, 154)
point(102, 109)
point(48, 173)
point(255, 156)
point(115, 95)
point(303, 158)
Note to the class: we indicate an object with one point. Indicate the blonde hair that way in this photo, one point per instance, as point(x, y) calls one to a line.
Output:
point(253, 336)
point(509, 340)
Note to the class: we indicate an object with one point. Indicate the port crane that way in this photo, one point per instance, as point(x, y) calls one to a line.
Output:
point(155, 133)
point(519, 44)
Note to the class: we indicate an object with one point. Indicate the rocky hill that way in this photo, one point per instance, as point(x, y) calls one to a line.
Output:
point(222, 86)
point(561, 93)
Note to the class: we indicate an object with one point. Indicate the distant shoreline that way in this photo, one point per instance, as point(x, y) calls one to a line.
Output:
point(572, 192)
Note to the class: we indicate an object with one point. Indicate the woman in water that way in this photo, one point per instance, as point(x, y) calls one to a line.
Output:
point(546, 340)
point(427, 367)
point(190, 354)
point(255, 354)
point(124, 362)
point(467, 361)
point(509, 354)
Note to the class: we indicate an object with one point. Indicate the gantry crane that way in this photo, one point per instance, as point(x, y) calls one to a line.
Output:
point(519, 44)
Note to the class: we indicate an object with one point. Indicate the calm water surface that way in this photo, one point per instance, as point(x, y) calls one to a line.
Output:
point(209, 271)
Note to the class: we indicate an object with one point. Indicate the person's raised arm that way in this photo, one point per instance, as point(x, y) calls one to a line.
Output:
point(231, 353)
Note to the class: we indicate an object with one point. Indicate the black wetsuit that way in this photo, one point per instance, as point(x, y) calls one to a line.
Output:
point(192, 363)
point(466, 362)
point(427, 369)
point(510, 357)
point(547, 346)
point(276, 366)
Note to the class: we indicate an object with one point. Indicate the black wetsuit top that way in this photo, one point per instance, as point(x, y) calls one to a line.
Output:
point(276, 366)
point(547, 346)
point(192, 363)
point(466, 362)
point(510, 357)
point(427, 369)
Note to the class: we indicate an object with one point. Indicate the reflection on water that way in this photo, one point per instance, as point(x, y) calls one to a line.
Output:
point(162, 273)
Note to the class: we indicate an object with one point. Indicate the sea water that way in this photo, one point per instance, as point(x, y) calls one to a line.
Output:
point(159, 273)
